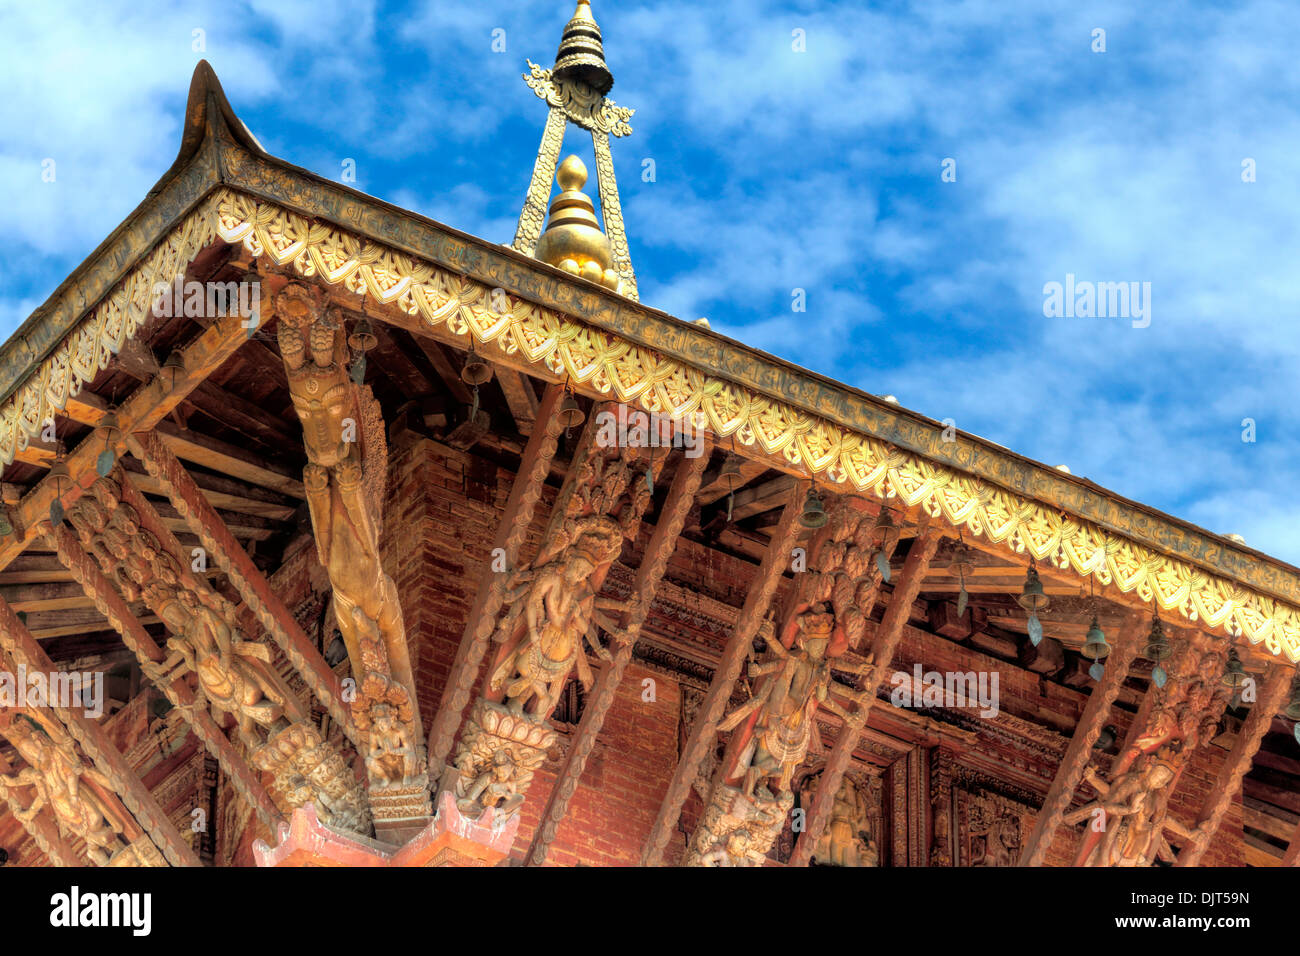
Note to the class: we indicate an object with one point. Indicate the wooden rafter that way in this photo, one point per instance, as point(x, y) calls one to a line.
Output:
point(681, 495)
point(1069, 773)
point(130, 789)
point(725, 675)
point(253, 587)
point(142, 411)
point(488, 599)
point(181, 696)
point(888, 636)
point(1237, 764)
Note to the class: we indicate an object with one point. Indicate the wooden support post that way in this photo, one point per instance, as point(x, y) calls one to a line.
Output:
point(44, 831)
point(135, 796)
point(1237, 764)
point(253, 587)
point(886, 642)
point(534, 466)
point(681, 495)
point(246, 782)
point(1070, 771)
point(714, 705)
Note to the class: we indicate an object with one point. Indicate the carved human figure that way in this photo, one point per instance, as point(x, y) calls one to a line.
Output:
point(558, 603)
point(1001, 842)
point(390, 754)
point(496, 787)
point(847, 840)
point(731, 851)
point(227, 667)
point(1130, 815)
point(344, 478)
point(776, 724)
point(57, 774)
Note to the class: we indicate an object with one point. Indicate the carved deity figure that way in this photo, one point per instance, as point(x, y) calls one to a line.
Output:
point(59, 777)
point(232, 672)
point(1130, 815)
point(1001, 842)
point(558, 604)
point(496, 787)
point(345, 475)
point(847, 839)
point(777, 723)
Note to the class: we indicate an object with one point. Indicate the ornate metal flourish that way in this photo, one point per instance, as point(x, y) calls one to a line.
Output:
point(580, 103)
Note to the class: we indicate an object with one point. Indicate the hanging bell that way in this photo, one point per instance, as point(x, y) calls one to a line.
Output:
point(1106, 739)
point(1033, 600)
point(1293, 708)
point(571, 414)
point(173, 364)
point(1234, 675)
point(962, 564)
point(6, 526)
point(363, 337)
point(475, 371)
point(1095, 647)
point(814, 512)
point(1158, 647)
point(730, 473)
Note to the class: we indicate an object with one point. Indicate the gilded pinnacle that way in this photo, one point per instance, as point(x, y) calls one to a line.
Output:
point(581, 56)
point(572, 239)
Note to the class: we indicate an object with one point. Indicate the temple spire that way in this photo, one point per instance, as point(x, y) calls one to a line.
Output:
point(575, 90)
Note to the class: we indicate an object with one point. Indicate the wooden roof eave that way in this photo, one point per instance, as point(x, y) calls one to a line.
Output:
point(218, 151)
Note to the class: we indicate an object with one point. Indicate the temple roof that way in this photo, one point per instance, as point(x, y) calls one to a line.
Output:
point(223, 187)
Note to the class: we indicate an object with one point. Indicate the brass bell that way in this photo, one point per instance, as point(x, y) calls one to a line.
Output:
point(1032, 598)
point(1158, 647)
point(174, 363)
point(571, 414)
point(1106, 739)
point(730, 470)
point(363, 337)
point(111, 425)
point(814, 512)
point(1095, 647)
point(475, 371)
point(1234, 675)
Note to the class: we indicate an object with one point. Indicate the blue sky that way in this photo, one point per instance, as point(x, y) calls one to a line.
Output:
point(778, 170)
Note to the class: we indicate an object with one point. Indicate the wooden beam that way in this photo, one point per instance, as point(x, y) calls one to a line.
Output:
point(1069, 773)
point(520, 396)
point(712, 708)
point(681, 496)
point(253, 587)
point(450, 376)
point(94, 740)
point(84, 568)
point(229, 459)
point(512, 530)
point(142, 411)
point(888, 636)
point(1277, 682)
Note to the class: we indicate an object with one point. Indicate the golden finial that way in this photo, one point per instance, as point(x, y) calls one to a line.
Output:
point(581, 56)
point(572, 239)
